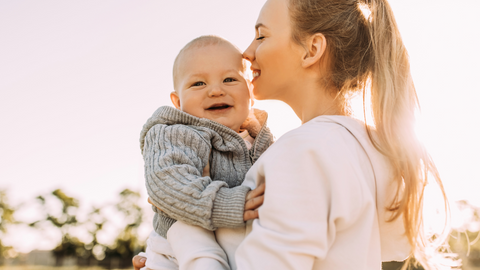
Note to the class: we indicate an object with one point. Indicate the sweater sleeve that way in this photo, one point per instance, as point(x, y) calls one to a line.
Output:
point(312, 192)
point(174, 160)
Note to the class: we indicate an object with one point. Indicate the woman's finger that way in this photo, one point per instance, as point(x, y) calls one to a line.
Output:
point(256, 192)
point(250, 214)
point(254, 203)
point(138, 262)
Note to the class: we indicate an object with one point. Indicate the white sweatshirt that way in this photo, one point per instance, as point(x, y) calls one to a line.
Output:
point(327, 189)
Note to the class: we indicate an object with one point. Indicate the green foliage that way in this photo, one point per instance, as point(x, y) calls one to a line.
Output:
point(6, 212)
point(64, 222)
point(118, 254)
point(465, 240)
point(6, 219)
point(97, 221)
point(69, 246)
point(127, 244)
point(67, 217)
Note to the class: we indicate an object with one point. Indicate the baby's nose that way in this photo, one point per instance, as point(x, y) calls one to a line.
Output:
point(215, 91)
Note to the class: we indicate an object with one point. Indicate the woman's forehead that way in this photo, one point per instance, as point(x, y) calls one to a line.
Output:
point(274, 14)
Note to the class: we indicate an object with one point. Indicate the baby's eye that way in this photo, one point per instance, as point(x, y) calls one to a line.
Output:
point(227, 80)
point(198, 84)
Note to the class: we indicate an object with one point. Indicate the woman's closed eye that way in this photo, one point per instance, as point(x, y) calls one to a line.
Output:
point(199, 84)
point(260, 38)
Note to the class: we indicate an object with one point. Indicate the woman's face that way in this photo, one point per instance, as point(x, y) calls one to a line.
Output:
point(276, 58)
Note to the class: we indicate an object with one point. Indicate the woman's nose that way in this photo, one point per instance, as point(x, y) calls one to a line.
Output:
point(249, 53)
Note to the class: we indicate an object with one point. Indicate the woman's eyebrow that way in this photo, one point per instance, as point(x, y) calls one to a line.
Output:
point(258, 25)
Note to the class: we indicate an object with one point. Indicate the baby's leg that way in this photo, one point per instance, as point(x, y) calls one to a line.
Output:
point(229, 239)
point(159, 254)
point(196, 248)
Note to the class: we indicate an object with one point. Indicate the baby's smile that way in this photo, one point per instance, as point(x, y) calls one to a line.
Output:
point(219, 107)
point(211, 85)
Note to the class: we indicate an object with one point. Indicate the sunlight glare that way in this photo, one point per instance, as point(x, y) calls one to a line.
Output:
point(365, 10)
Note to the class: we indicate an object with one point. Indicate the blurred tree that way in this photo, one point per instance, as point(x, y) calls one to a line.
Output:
point(95, 224)
point(465, 240)
point(127, 244)
point(6, 219)
point(59, 211)
point(64, 222)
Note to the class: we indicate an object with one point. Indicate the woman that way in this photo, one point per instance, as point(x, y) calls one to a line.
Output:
point(340, 195)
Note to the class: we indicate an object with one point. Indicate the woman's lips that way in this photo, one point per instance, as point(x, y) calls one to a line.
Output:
point(256, 73)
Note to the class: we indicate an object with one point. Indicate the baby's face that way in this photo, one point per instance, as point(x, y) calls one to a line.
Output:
point(210, 84)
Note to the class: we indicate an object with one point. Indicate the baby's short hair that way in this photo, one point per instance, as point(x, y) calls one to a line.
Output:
point(199, 42)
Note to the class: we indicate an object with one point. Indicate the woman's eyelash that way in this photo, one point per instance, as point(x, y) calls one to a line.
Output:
point(260, 38)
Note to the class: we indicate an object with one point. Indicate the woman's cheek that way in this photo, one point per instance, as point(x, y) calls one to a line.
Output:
point(263, 63)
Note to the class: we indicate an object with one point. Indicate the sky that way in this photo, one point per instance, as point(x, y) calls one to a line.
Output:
point(78, 79)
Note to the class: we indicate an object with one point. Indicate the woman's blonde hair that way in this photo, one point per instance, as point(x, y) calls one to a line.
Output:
point(365, 50)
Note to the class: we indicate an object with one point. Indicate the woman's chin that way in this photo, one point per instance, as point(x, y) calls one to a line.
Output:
point(257, 94)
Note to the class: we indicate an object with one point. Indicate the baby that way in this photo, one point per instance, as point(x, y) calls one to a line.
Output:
point(196, 157)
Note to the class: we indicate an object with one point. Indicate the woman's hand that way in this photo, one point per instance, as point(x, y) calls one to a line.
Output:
point(253, 200)
point(138, 262)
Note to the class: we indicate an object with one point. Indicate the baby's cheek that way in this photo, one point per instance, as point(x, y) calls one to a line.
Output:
point(243, 113)
point(192, 108)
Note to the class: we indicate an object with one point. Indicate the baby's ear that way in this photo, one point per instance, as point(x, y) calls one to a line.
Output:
point(175, 99)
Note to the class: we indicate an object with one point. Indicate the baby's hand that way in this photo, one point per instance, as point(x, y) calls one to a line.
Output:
point(253, 200)
point(150, 202)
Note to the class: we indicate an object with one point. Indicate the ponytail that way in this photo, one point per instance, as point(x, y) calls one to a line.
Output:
point(366, 51)
point(394, 102)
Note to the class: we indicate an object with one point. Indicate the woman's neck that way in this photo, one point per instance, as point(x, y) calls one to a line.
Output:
point(311, 101)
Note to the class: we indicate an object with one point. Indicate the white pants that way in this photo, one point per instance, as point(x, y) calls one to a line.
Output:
point(193, 248)
point(159, 254)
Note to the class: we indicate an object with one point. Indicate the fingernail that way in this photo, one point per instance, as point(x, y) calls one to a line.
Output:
point(142, 260)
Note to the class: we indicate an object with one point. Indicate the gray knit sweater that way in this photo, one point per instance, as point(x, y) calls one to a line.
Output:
point(176, 147)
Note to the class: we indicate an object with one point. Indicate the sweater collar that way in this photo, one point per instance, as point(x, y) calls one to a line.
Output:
point(171, 116)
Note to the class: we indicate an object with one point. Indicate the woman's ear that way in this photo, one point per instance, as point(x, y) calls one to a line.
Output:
point(314, 50)
point(175, 99)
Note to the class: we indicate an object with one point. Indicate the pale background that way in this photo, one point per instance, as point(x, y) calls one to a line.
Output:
point(79, 78)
